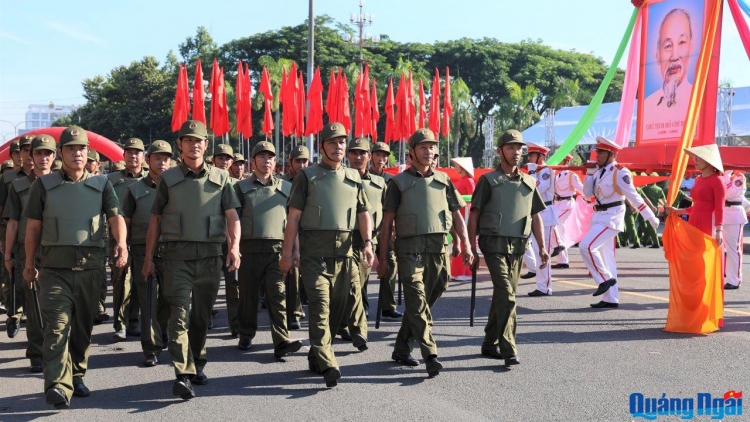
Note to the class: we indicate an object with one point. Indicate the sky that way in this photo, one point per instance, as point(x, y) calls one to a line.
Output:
point(47, 48)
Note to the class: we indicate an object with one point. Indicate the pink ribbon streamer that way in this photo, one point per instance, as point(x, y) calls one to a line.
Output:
point(630, 86)
point(742, 27)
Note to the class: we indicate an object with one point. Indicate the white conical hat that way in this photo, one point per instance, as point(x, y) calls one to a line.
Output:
point(709, 153)
point(465, 163)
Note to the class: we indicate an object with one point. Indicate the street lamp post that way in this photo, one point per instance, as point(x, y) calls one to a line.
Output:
point(360, 21)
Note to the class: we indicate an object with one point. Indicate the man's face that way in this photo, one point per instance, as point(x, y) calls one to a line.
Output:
point(358, 159)
point(26, 159)
point(379, 159)
point(192, 148)
point(425, 153)
point(298, 164)
point(43, 159)
point(74, 157)
point(264, 163)
point(133, 159)
point(673, 52)
point(335, 148)
point(16, 157)
point(237, 169)
point(511, 153)
point(223, 161)
point(92, 166)
point(603, 157)
point(159, 161)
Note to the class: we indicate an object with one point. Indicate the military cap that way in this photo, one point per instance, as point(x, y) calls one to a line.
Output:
point(25, 140)
point(134, 143)
point(511, 136)
point(420, 136)
point(160, 146)
point(332, 130)
point(43, 142)
point(300, 151)
point(56, 165)
point(360, 144)
point(381, 146)
point(15, 147)
point(264, 146)
point(223, 149)
point(7, 165)
point(93, 155)
point(73, 135)
point(239, 158)
point(194, 128)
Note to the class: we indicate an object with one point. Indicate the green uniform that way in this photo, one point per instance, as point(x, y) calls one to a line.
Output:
point(231, 286)
point(630, 235)
point(18, 196)
point(72, 255)
point(506, 206)
point(424, 206)
point(262, 220)
point(654, 194)
point(330, 201)
point(7, 179)
point(193, 226)
point(136, 206)
point(389, 295)
point(294, 306)
point(121, 289)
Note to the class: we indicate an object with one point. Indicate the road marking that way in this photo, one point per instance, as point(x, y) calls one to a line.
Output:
point(663, 299)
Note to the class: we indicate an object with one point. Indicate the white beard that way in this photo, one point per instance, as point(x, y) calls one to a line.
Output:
point(671, 82)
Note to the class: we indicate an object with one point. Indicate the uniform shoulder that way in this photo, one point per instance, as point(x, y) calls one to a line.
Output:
point(352, 174)
point(377, 180)
point(10, 176)
point(51, 180)
point(219, 176)
point(115, 177)
point(20, 185)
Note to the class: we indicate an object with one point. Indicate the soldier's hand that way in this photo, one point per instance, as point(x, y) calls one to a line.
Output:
point(9, 265)
point(29, 275)
point(382, 268)
point(456, 248)
point(544, 256)
point(475, 264)
point(369, 256)
point(468, 256)
point(233, 259)
point(296, 260)
point(285, 264)
point(121, 255)
point(148, 269)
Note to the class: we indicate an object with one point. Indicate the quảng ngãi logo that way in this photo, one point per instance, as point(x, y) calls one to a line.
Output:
point(704, 404)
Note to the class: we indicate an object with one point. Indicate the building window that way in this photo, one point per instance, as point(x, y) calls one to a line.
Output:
point(35, 124)
point(45, 116)
point(34, 116)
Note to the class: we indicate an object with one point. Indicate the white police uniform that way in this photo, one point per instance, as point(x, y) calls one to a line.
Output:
point(545, 184)
point(734, 220)
point(567, 185)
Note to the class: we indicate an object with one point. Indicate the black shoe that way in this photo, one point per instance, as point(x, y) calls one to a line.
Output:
point(331, 376)
point(407, 360)
point(537, 293)
point(728, 286)
point(604, 304)
point(392, 313)
point(344, 334)
point(151, 360)
point(294, 325)
point(493, 353)
point(512, 360)
point(561, 266)
point(528, 275)
point(200, 378)
point(286, 347)
point(635, 246)
point(245, 344)
point(119, 336)
point(605, 286)
point(36, 368)
point(313, 366)
point(133, 333)
point(182, 388)
point(557, 251)
point(101, 318)
point(433, 366)
point(360, 342)
point(654, 246)
point(80, 389)
point(56, 397)
point(12, 327)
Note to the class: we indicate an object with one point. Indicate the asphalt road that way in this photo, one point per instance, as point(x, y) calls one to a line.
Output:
point(577, 363)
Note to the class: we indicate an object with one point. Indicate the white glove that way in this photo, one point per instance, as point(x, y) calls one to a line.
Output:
point(654, 222)
point(592, 171)
point(531, 167)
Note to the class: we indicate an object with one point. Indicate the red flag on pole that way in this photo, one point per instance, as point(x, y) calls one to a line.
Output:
point(265, 89)
point(247, 124)
point(359, 107)
point(447, 104)
point(331, 97)
point(367, 117)
point(390, 118)
point(345, 116)
point(374, 108)
point(422, 106)
point(315, 98)
point(212, 87)
point(181, 100)
point(199, 109)
point(434, 122)
point(239, 94)
point(220, 121)
point(300, 129)
point(412, 106)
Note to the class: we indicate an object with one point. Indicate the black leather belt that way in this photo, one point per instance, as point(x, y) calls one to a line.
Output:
point(732, 203)
point(548, 203)
point(602, 207)
point(564, 198)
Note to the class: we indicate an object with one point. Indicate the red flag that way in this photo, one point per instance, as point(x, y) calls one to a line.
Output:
point(239, 94)
point(422, 106)
point(331, 97)
point(367, 115)
point(300, 129)
point(243, 107)
point(265, 89)
point(212, 87)
point(220, 121)
point(181, 100)
point(399, 115)
point(375, 111)
point(390, 118)
point(359, 112)
point(199, 109)
point(247, 126)
point(434, 122)
point(412, 106)
point(284, 103)
point(447, 104)
point(345, 117)
point(315, 98)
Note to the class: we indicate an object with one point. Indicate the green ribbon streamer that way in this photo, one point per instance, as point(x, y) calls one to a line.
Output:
point(589, 115)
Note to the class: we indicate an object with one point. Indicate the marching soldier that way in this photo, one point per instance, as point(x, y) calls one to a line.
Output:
point(325, 201)
point(136, 208)
point(545, 185)
point(92, 166)
point(505, 209)
point(567, 186)
point(299, 158)
point(43, 153)
point(262, 219)
point(735, 219)
point(380, 154)
point(237, 170)
point(24, 169)
point(15, 152)
point(65, 225)
point(92, 162)
point(611, 184)
point(424, 205)
point(194, 213)
point(126, 304)
point(6, 167)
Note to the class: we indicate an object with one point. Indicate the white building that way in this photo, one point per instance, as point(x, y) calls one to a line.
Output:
point(43, 115)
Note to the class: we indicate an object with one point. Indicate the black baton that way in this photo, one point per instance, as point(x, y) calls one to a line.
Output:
point(37, 308)
point(473, 295)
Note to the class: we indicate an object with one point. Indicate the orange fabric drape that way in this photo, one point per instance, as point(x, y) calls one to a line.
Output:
point(695, 291)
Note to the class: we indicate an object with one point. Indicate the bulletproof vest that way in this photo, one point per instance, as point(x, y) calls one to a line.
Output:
point(121, 183)
point(374, 190)
point(508, 213)
point(144, 197)
point(193, 212)
point(73, 211)
point(331, 202)
point(263, 209)
point(21, 186)
point(424, 206)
